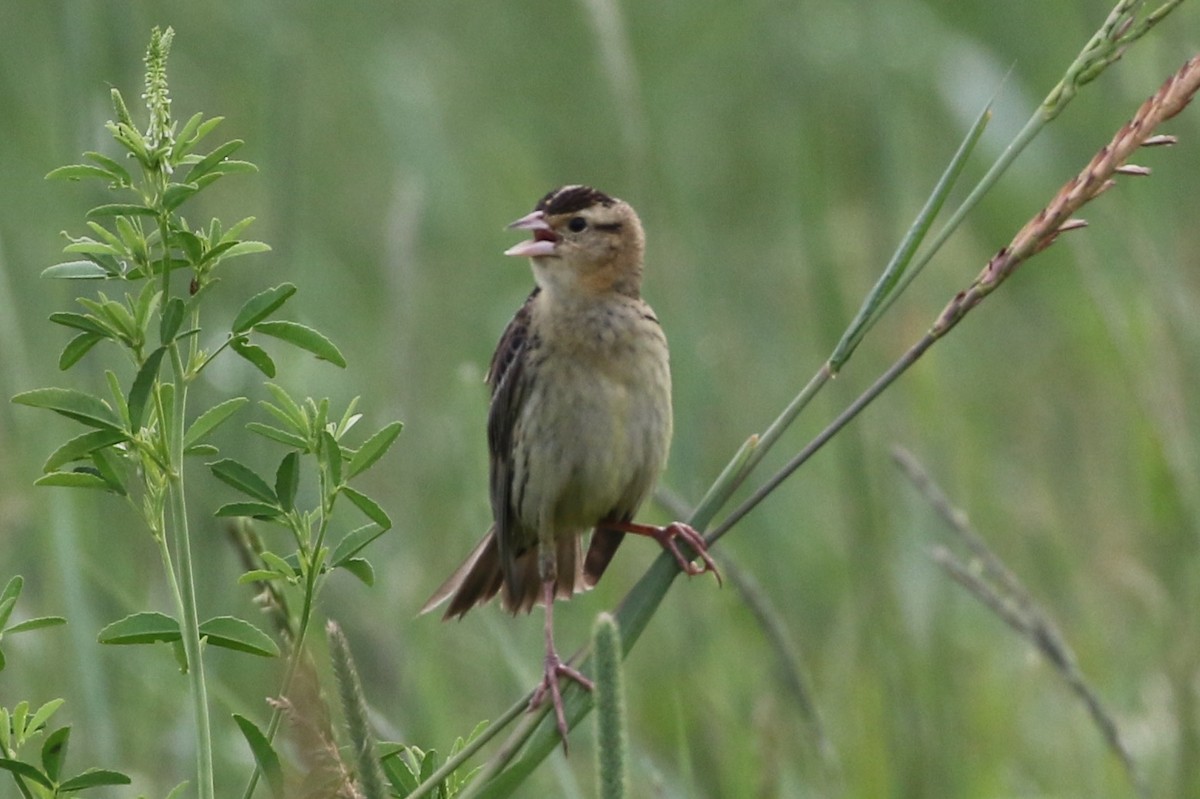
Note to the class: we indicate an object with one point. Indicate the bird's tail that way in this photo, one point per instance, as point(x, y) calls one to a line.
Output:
point(600, 553)
point(482, 576)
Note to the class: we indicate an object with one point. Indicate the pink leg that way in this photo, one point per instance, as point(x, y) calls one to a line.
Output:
point(555, 668)
point(666, 536)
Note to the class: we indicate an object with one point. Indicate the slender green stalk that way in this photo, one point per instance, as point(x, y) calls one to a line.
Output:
point(309, 555)
point(889, 286)
point(190, 622)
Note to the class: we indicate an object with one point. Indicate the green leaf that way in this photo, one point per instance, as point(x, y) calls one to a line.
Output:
point(78, 270)
point(76, 348)
point(193, 131)
point(368, 506)
point(258, 576)
point(177, 193)
point(36, 624)
point(275, 434)
point(245, 248)
point(54, 751)
point(264, 755)
point(80, 171)
point(211, 419)
point(108, 468)
point(256, 355)
point(262, 305)
point(303, 337)
point(207, 450)
point(79, 321)
point(92, 778)
point(211, 161)
point(81, 407)
point(230, 632)
point(396, 769)
point(177, 791)
point(190, 243)
point(362, 569)
point(88, 246)
point(354, 542)
point(6, 608)
point(119, 173)
point(82, 447)
point(288, 411)
point(287, 480)
point(146, 304)
point(146, 627)
point(373, 449)
point(333, 456)
point(172, 318)
point(132, 238)
point(117, 316)
point(80, 479)
point(142, 384)
point(231, 166)
point(27, 771)
point(280, 565)
point(255, 510)
point(118, 395)
point(42, 715)
point(244, 479)
point(120, 209)
point(12, 590)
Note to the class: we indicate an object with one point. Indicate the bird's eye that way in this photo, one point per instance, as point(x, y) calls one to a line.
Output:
point(577, 224)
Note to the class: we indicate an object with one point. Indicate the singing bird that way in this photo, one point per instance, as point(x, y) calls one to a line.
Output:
point(579, 423)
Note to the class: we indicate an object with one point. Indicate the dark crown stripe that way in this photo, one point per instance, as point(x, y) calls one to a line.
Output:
point(569, 199)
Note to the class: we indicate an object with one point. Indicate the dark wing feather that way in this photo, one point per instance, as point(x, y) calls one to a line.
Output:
point(506, 376)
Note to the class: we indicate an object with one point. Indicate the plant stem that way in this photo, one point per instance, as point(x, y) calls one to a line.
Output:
point(186, 591)
point(311, 588)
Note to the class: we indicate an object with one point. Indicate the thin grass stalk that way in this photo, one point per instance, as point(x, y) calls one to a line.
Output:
point(997, 587)
point(877, 301)
point(190, 622)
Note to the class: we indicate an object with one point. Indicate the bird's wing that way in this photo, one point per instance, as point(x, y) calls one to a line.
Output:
point(506, 376)
point(512, 341)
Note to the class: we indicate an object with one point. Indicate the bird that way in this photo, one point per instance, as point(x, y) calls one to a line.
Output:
point(579, 423)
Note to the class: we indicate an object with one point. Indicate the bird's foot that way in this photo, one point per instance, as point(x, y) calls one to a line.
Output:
point(668, 537)
point(555, 668)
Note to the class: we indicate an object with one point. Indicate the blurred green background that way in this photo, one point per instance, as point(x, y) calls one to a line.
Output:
point(776, 152)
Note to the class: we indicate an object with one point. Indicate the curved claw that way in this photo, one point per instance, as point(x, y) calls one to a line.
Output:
point(666, 536)
point(696, 542)
point(555, 668)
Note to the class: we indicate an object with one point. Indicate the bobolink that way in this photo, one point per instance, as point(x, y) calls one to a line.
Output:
point(579, 424)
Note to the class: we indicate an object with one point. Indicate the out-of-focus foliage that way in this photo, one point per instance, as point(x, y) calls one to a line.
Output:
point(776, 153)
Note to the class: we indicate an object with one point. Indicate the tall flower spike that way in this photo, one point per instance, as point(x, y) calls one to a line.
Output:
point(157, 95)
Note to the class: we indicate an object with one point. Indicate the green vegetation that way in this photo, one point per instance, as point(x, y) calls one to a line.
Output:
point(777, 155)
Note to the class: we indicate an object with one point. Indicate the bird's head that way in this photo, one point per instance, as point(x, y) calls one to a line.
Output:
point(583, 240)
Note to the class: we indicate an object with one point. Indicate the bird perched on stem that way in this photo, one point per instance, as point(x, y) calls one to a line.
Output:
point(579, 424)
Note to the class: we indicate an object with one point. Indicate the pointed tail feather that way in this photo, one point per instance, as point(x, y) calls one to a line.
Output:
point(481, 577)
point(600, 553)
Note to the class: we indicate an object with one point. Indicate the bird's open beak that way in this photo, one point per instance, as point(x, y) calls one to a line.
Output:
point(544, 241)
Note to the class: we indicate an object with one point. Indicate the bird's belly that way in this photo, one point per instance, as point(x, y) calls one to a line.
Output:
point(598, 441)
